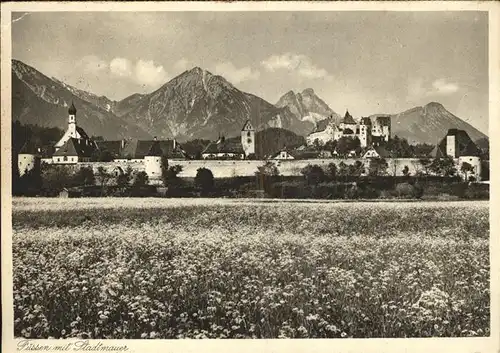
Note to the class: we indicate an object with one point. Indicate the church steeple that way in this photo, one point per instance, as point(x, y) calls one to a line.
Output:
point(72, 120)
point(72, 109)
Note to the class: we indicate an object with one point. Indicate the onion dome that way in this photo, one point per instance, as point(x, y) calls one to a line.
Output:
point(72, 109)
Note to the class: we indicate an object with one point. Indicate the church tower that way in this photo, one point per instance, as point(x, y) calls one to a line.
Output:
point(72, 121)
point(248, 138)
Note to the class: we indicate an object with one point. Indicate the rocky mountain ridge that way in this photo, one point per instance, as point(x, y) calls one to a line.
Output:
point(37, 99)
point(199, 105)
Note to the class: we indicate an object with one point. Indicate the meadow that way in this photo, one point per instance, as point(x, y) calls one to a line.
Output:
point(196, 268)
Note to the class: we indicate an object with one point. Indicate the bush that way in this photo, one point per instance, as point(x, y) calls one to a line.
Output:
point(313, 174)
point(405, 190)
point(477, 192)
point(204, 180)
point(418, 190)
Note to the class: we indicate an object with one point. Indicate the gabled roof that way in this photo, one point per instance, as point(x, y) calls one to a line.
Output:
point(247, 126)
point(128, 151)
point(381, 151)
point(155, 149)
point(138, 149)
point(82, 133)
point(113, 147)
point(274, 155)
point(28, 148)
point(224, 146)
point(464, 146)
point(76, 147)
point(304, 154)
point(366, 121)
point(348, 119)
point(383, 119)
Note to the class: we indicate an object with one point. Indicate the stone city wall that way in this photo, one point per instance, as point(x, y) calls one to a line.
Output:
point(230, 168)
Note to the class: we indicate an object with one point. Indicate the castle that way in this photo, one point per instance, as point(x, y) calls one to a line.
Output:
point(365, 130)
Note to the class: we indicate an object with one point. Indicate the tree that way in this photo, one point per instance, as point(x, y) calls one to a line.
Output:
point(123, 179)
point(204, 179)
point(269, 169)
point(330, 145)
point(356, 169)
point(425, 163)
point(265, 175)
point(399, 147)
point(317, 145)
point(377, 167)
point(406, 171)
point(331, 170)
point(465, 168)
point(313, 174)
point(343, 169)
point(443, 166)
point(103, 177)
point(55, 178)
point(85, 176)
point(169, 174)
point(347, 144)
point(30, 183)
point(141, 179)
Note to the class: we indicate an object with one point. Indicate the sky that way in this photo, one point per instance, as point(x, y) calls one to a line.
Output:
point(367, 62)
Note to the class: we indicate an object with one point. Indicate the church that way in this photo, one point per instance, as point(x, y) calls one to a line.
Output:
point(75, 146)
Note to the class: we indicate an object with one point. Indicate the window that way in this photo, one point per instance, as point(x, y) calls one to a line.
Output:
point(249, 141)
point(65, 158)
point(249, 134)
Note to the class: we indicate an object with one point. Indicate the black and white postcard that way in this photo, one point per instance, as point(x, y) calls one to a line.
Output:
point(250, 176)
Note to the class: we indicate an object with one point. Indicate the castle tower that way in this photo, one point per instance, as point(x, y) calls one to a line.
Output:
point(72, 121)
point(152, 161)
point(365, 132)
point(248, 138)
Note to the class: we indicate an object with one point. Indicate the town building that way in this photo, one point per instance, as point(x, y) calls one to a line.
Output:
point(233, 148)
point(375, 152)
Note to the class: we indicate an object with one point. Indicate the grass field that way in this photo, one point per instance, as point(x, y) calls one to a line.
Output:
point(160, 268)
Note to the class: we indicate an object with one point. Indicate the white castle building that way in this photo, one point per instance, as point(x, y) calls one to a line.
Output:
point(366, 130)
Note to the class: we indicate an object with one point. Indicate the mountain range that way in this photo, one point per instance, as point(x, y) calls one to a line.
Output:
point(199, 105)
point(307, 106)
